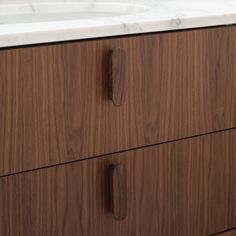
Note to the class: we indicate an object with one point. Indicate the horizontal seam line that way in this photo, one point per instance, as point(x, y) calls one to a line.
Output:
point(224, 231)
point(113, 153)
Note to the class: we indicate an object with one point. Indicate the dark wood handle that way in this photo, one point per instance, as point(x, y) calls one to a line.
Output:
point(118, 187)
point(117, 76)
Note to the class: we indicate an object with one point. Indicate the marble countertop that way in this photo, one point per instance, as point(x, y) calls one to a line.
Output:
point(19, 26)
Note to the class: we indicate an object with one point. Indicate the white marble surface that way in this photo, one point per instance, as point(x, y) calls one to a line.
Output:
point(28, 22)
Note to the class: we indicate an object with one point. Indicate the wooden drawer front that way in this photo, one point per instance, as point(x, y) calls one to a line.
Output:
point(55, 106)
point(228, 233)
point(182, 188)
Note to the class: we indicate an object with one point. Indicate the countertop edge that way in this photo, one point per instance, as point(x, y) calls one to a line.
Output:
point(8, 40)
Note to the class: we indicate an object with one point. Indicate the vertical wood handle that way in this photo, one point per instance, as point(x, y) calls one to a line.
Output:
point(118, 187)
point(117, 76)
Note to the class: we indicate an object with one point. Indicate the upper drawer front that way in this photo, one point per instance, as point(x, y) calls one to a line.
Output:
point(55, 106)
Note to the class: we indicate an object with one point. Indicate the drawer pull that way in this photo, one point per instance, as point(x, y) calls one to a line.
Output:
point(118, 188)
point(117, 76)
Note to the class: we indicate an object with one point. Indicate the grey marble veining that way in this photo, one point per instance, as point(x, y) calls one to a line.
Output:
point(30, 22)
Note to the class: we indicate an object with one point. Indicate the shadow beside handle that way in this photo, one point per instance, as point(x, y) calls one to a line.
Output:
point(117, 76)
point(118, 188)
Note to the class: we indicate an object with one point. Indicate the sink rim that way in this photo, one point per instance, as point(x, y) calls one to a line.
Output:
point(71, 6)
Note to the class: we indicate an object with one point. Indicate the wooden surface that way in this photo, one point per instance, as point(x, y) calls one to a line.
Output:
point(118, 191)
point(184, 188)
point(54, 104)
point(229, 233)
point(117, 83)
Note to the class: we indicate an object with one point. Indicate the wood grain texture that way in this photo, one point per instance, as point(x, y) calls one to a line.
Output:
point(174, 189)
point(228, 233)
point(54, 104)
point(118, 191)
point(117, 76)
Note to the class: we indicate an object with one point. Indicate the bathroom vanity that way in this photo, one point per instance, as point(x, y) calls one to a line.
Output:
point(132, 135)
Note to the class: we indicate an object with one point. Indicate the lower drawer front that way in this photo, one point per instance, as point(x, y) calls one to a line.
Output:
point(228, 233)
point(181, 188)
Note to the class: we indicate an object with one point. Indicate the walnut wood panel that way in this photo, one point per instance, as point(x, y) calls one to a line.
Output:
point(181, 188)
point(228, 233)
point(54, 103)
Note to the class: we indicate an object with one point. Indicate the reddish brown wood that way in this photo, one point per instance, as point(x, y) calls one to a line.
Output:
point(118, 191)
point(117, 76)
point(228, 233)
point(54, 105)
point(175, 189)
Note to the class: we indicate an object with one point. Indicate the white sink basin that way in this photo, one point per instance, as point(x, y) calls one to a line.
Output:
point(61, 11)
